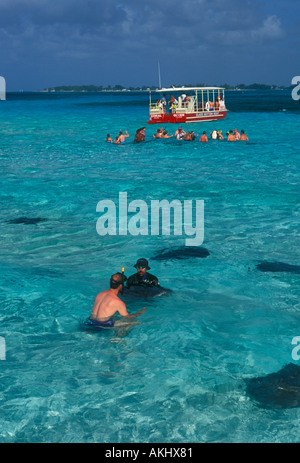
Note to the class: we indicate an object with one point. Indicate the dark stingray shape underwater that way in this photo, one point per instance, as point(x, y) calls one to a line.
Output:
point(181, 252)
point(27, 220)
point(278, 267)
point(140, 292)
point(276, 390)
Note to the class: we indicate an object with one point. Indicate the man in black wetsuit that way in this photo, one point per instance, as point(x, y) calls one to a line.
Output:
point(142, 277)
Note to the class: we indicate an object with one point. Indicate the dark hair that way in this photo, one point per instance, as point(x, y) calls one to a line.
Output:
point(116, 280)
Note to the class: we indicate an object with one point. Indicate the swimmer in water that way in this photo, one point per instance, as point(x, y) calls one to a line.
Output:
point(108, 139)
point(244, 136)
point(122, 136)
point(179, 134)
point(139, 135)
point(107, 304)
point(158, 133)
point(166, 134)
point(189, 136)
point(220, 136)
point(237, 136)
point(142, 277)
point(230, 136)
point(203, 138)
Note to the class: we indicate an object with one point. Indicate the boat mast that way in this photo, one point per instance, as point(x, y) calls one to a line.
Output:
point(159, 79)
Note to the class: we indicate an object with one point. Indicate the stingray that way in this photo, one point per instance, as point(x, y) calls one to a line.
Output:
point(27, 220)
point(181, 252)
point(276, 390)
point(278, 267)
point(140, 292)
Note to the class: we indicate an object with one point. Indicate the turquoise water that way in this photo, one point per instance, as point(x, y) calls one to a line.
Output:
point(179, 375)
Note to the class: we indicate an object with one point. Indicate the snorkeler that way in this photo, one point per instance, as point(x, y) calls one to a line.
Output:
point(179, 134)
point(142, 277)
point(158, 134)
point(107, 304)
point(230, 136)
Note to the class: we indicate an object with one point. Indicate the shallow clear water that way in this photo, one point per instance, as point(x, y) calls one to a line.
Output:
point(179, 375)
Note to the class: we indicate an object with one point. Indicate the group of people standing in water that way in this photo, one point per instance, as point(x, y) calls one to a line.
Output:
point(121, 138)
point(180, 134)
point(230, 135)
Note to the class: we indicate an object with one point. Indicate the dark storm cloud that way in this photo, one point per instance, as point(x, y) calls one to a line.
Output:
point(74, 33)
point(135, 23)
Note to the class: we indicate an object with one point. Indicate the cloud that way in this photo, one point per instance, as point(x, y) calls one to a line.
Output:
point(77, 34)
point(134, 23)
point(270, 29)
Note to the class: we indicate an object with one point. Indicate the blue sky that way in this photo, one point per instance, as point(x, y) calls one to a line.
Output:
point(105, 42)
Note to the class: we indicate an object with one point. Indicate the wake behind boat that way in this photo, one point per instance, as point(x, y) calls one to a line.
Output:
point(187, 104)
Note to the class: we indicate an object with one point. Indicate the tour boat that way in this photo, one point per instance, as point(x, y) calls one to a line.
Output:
point(187, 104)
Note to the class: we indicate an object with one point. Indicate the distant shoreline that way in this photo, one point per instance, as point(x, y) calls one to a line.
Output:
point(121, 89)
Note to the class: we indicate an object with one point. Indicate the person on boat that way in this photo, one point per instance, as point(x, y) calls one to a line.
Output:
point(173, 103)
point(221, 104)
point(142, 277)
point(122, 136)
point(108, 139)
point(236, 134)
point(217, 104)
point(211, 106)
point(244, 136)
point(159, 104)
point(203, 138)
point(185, 100)
point(107, 304)
point(230, 136)
point(173, 100)
point(164, 102)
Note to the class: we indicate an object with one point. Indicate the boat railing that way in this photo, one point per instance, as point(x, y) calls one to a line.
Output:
point(195, 103)
point(155, 108)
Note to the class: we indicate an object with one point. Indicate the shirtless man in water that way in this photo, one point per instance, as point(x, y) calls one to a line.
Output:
point(122, 136)
point(107, 304)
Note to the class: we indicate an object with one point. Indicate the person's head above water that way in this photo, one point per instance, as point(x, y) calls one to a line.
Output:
point(142, 266)
point(116, 280)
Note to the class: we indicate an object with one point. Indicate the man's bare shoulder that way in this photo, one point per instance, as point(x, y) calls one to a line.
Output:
point(102, 293)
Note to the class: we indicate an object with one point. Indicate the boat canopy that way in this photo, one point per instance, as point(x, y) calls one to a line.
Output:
point(187, 89)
